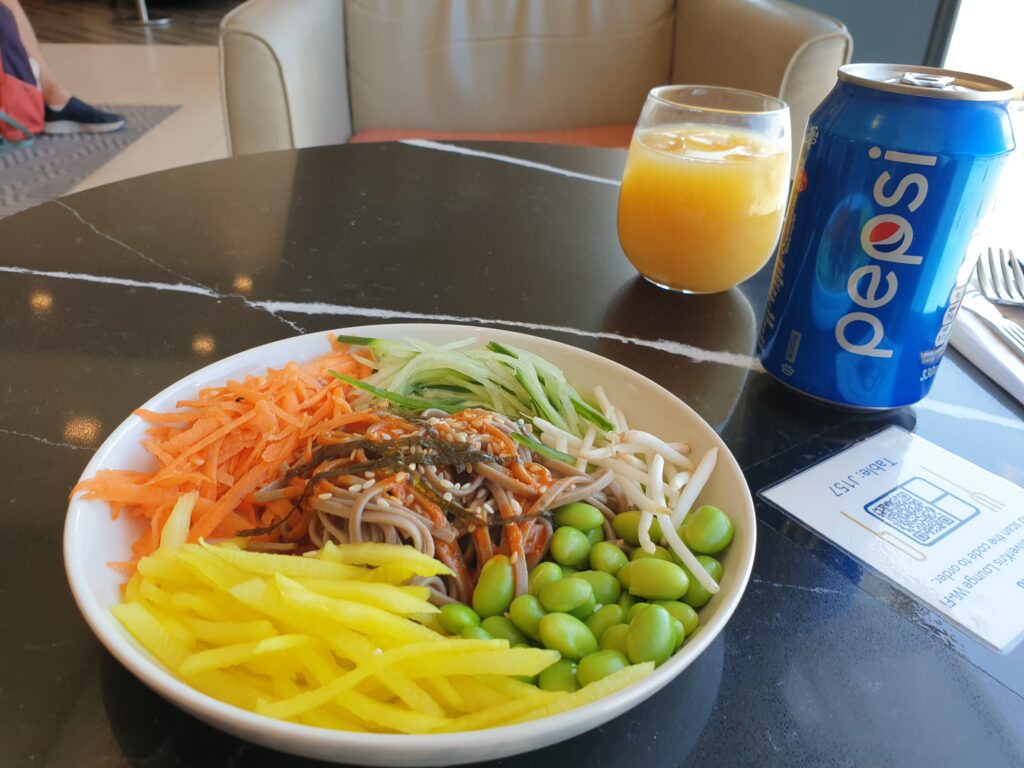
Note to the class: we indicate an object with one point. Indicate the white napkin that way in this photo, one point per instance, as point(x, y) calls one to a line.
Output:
point(973, 339)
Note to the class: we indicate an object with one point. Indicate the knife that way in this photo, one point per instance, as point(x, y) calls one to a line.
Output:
point(1007, 330)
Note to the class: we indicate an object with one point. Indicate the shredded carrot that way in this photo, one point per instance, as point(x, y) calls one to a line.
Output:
point(227, 442)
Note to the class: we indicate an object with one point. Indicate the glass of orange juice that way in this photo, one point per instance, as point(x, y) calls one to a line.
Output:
point(704, 190)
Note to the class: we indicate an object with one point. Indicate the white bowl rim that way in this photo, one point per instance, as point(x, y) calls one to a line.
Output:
point(543, 731)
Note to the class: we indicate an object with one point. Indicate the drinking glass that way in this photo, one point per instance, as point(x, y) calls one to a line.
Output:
point(704, 190)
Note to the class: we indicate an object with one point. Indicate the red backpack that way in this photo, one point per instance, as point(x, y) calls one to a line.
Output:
point(21, 101)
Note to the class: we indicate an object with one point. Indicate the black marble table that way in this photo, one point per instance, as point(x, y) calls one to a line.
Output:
point(110, 295)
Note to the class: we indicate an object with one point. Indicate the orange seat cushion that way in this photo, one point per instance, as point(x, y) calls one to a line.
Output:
point(609, 136)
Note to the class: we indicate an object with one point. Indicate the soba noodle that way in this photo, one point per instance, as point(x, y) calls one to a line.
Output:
point(456, 487)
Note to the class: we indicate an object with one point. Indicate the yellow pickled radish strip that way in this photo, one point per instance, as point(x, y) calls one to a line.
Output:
point(513, 661)
point(364, 618)
point(133, 587)
point(219, 685)
point(443, 692)
point(210, 604)
point(392, 573)
point(266, 564)
point(228, 632)
point(390, 716)
point(289, 708)
point(212, 571)
point(502, 713)
point(475, 695)
point(236, 655)
point(165, 567)
point(283, 685)
point(262, 596)
point(384, 596)
point(320, 665)
point(509, 687)
point(175, 530)
point(371, 553)
point(596, 690)
point(411, 694)
point(141, 622)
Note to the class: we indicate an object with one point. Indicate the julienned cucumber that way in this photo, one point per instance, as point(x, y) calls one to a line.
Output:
point(497, 377)
point(543, 450)
point(416, 403)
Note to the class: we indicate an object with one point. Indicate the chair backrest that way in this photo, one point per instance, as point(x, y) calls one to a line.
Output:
point(504, 65)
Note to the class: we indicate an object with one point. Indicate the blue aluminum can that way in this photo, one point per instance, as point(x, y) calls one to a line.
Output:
point(897, 169)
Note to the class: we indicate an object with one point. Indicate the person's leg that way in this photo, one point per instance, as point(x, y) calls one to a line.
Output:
point(64, 113)
point(55, 96)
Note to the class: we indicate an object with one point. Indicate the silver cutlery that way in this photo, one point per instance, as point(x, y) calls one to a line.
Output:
point(1001, 278)
point(1007, 330)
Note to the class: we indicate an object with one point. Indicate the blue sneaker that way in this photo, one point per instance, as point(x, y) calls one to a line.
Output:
point(79, 117)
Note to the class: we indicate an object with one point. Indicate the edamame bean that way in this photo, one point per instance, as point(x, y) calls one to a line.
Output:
point(625, 574)
point(526, 613)
point(657, 579)
point(682, 612)
point(606, 616)
point(473, 632)
point(503, 629)
point(569, 546)
point(560, 676)
point(579, 515)
point(651, 636)
point(660, 553)
point(495, 589)
point(594, 666)
point(707, 531)
point(567, 635)
point(586, 610)
point(594, 535)
point(677, 626)
point(606, 557)
point(568, 572)
point(626, 601)
point(543, 573)
point(455, 617)
point(696, 595)
point(627, 525)
point(606, 587)
point(635, 609)
point(614, 638)
point(564, 595)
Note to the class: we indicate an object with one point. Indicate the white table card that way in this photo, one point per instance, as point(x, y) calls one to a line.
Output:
point(947, 531)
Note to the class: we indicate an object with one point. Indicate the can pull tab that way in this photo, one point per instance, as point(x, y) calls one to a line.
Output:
point(926, 81)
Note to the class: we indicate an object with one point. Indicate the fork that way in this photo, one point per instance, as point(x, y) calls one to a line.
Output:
point(1011, 334)
point(1001, 278)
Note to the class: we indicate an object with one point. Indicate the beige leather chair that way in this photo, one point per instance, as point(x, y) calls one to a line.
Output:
point(299, 74)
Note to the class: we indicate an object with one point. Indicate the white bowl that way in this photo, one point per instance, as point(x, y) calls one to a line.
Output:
point(91, 539)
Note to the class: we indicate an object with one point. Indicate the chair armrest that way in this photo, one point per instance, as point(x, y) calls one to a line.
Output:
point(769, 46)
point(283, 75)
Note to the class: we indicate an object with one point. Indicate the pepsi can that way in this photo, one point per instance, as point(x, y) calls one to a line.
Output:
point(897, 169)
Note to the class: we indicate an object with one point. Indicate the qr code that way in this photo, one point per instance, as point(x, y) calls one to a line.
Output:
point(921, 510)
point(907, 513)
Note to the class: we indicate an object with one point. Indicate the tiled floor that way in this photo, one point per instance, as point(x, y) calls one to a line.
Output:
point(186, 75)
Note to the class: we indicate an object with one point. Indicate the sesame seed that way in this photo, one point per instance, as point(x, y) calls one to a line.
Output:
point(412, 467)
point(447, 496)
point(378, 651)
point(384, 503)
point(368, 475)
point(355, 488)
point(324, 496)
